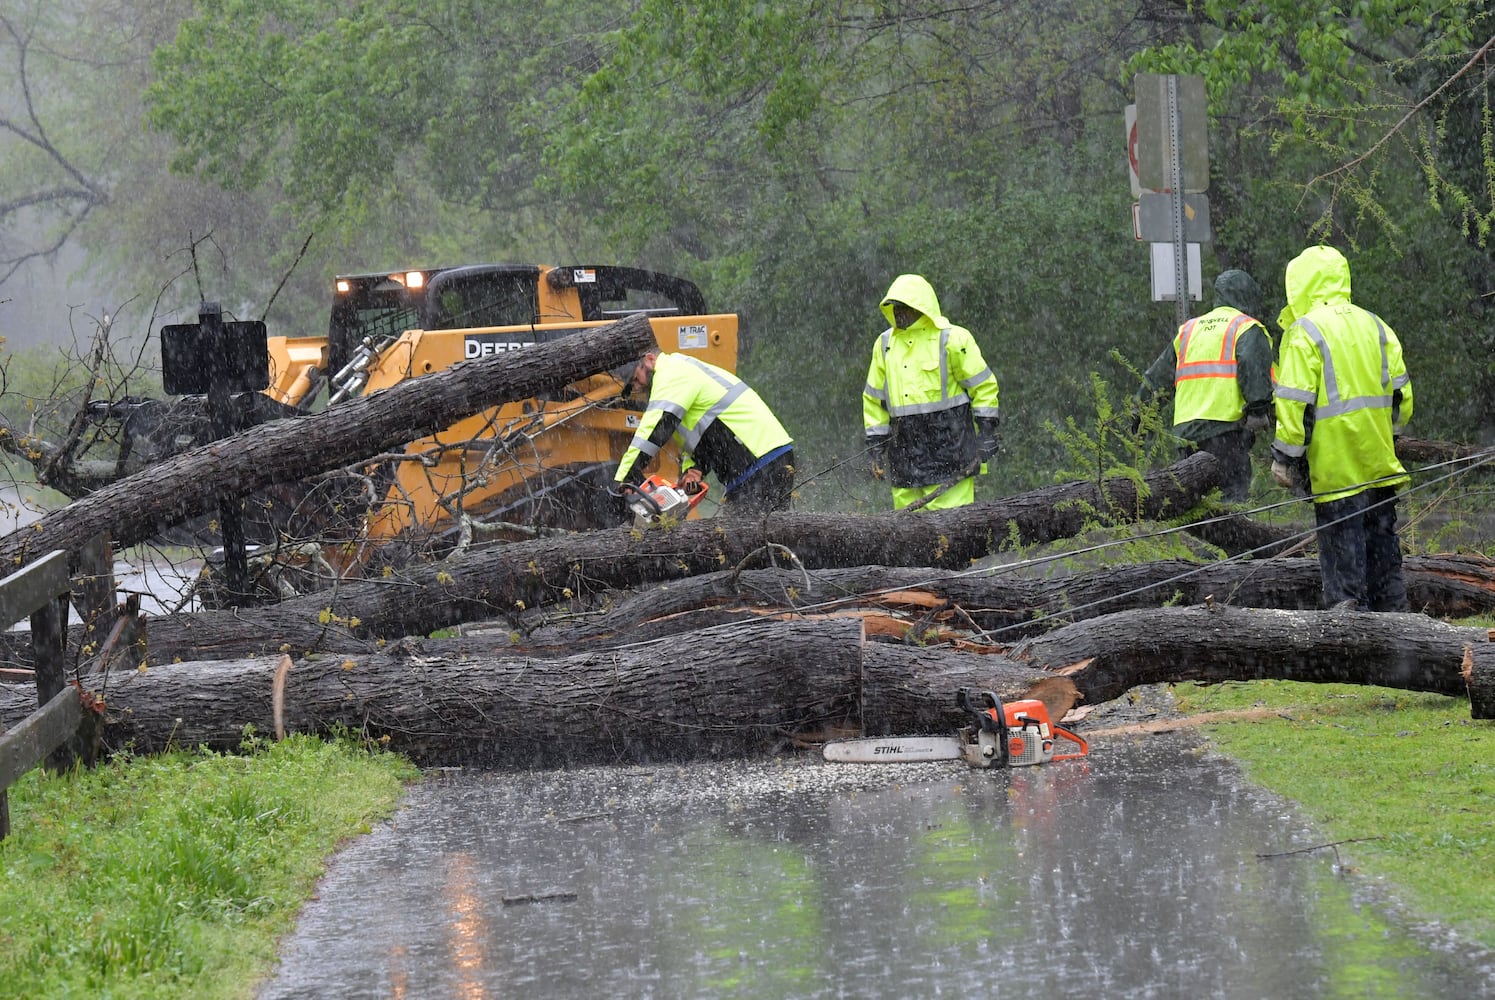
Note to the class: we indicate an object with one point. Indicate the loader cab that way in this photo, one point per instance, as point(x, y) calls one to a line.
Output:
point(381, 306)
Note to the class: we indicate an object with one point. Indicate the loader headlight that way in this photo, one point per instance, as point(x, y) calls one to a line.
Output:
point(343, 286)
point(414, 279)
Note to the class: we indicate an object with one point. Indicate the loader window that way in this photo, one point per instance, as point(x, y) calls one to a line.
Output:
point(494, 299)
point(613, 292)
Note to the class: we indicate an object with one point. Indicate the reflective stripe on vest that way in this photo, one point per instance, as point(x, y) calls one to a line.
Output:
point(1222, 367)
point(691, 436)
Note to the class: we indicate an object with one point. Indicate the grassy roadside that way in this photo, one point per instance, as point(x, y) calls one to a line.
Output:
point(173, 875)
point(1408, 771)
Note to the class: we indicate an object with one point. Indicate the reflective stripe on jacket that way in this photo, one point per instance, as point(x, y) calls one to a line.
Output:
point(721, 423)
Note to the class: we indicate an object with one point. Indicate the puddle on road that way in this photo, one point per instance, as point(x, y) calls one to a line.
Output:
point(1133, 873)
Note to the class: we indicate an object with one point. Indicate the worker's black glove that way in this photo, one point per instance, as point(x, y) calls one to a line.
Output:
point(1258, 417)
point(1291, 472)
point(986, 438)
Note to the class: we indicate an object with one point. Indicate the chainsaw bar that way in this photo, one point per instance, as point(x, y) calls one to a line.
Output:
point(893, 749)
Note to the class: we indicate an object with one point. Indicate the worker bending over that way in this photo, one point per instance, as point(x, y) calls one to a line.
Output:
point(723, 427)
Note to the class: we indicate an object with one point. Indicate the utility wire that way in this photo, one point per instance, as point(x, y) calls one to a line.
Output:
point(1469, 463)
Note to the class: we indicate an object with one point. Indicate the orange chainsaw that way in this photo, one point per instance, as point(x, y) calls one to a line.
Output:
point(657, 497)
point(1014, 734)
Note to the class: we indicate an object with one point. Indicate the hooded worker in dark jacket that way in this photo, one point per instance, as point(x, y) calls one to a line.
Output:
point(930, 404)
point(1218, 367)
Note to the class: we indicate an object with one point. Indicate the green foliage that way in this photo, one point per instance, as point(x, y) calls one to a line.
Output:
point(1406, 771)
point(793, 158)
point(172, 876)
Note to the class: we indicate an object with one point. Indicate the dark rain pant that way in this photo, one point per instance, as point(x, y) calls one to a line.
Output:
point(765, 490)
point(1360, 556)
point(1232, 450)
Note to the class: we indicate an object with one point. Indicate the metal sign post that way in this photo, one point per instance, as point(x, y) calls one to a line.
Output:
point(1176, 193)
point(220, 412)
point(1168, 153)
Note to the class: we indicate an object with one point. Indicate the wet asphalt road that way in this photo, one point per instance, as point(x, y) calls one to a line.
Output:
point(1137, 872)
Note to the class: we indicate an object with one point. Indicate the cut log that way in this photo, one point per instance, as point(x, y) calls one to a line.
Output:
point(1478, 671)
point(743, 688)
point(1240, 535)
point(1218, 643)
point(995, 600)
point(1422, 451)
point(141, 506)
point(497, 581)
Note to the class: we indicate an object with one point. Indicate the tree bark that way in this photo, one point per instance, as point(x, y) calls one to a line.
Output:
point(484, 584)
point(1108, 655)
point(141, 506)
point(502, 581)
point(998, 600)
point(1478, 670)
point(746, 688)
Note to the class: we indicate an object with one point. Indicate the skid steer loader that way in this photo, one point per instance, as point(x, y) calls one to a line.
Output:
point(534, 463)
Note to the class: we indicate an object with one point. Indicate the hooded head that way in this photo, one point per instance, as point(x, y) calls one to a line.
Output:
point(916, 293)
point(1317, 276)
point(1237, 289)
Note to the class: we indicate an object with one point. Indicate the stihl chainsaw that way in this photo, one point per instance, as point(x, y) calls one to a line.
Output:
point(657, 497)
point(1014, 734)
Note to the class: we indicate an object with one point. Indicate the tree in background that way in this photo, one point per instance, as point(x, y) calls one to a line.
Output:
point(1376, 116)
point(792, 158)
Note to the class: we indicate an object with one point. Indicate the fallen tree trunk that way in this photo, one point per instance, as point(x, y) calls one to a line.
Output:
point(743, 689)
point(996, 600)
point(1107, 656)
point(141, 506)
point(1478, 670)
point(1423, 451)
point(1239, 535)
point(484, 584)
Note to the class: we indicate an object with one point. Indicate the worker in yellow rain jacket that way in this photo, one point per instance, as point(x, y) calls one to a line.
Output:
point(930, 404)
point(1342, 393)
point(1219, 369)
point(723, 427)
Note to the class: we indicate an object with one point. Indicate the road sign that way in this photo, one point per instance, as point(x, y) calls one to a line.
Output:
point(1171, 109)
point(1163, 271)
point(192, 353)
point(1131, 150)
point(1155, 218)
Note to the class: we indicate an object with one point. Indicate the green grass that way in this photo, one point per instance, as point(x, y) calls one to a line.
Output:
point(1408, 769)
point(174, 875)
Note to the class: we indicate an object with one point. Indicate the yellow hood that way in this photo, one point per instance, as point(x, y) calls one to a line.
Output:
point(1317, 276)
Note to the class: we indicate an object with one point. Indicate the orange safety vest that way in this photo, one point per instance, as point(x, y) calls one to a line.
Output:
point(1204, 380)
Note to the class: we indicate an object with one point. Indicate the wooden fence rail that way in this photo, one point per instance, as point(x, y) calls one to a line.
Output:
point(42, 591)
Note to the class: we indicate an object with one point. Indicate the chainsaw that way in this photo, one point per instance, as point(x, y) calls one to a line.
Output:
point(1011, 734)
point(657, 497)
